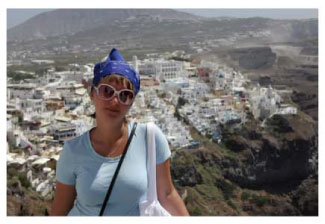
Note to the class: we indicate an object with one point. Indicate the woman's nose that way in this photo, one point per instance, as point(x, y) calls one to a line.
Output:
point(115, 99)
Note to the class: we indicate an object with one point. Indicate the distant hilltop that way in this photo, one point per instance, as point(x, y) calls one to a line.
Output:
point(71, 21)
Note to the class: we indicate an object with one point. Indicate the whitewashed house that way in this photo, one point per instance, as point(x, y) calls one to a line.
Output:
point(21, 91)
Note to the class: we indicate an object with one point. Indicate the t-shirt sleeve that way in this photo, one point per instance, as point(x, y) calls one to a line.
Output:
point(65, 166)
point(162, 147)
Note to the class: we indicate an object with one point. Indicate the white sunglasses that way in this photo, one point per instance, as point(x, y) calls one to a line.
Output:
point(107, 92)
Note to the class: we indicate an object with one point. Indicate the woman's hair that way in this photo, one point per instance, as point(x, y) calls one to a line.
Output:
point(118, 79)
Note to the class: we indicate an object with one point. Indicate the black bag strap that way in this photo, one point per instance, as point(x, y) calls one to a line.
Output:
point(109, 191)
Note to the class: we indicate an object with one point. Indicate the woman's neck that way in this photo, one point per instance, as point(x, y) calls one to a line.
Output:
point(109, 135)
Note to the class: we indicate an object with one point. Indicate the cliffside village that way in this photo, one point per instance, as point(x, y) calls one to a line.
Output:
point(44, 112)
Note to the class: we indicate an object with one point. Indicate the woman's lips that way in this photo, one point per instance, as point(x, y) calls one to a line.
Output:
point(114, 111)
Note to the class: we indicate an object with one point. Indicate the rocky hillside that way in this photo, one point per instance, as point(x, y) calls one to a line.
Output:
point(258, 171)
point(22, 200)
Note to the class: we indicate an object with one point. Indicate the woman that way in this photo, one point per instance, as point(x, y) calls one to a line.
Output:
point(88, 162)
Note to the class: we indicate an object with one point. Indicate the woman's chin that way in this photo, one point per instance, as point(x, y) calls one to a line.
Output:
point(112, 114)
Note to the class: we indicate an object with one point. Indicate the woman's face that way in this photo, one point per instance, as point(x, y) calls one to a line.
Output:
point(113, 109)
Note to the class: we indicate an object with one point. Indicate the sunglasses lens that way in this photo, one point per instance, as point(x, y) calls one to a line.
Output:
point(106, 92)
point(126, 97)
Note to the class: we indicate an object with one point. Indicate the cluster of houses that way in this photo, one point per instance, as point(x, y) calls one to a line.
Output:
point(42, 113)
point(162, 112)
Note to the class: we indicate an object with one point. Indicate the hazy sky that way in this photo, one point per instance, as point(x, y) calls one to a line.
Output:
point(17, 16)
point(268, 13)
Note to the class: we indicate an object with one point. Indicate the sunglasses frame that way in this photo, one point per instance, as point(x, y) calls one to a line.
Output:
point(116, 93)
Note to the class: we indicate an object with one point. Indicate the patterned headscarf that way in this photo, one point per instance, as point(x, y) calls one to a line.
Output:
point(115, 64)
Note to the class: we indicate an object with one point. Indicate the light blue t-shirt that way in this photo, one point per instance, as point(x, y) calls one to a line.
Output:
point(80, 165)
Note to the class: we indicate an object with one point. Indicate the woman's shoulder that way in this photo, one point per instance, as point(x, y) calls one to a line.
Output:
point(142, 126)
point(76, 142)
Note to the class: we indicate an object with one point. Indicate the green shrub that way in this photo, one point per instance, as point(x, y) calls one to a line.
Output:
point(226, 188)
point(208, 192)
point(11, 172)
point(260, 200)
point(23, 180)
point(245, 195)
point(196, 211)
point(17, 76)
point(231, 204)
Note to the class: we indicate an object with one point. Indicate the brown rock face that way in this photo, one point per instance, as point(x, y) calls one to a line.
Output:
point(253, 58)
point(306, 197)
point(282, 154)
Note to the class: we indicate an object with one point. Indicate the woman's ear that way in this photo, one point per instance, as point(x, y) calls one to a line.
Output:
point(91, 94)
point(90, 90)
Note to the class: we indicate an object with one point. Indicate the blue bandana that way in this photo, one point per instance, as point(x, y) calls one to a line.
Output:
point(115, 64)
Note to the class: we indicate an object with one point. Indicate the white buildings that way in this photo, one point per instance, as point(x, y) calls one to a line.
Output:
point(264, 102)
point(195, 91)
point(176, 84)
point(286, 109)
point(146, 67)
point(64, 132)
point(161, 69)
point(72, 101)
point(31, 105)
point(169, 69)
point(135, 63)
point(42, 62)
point(163, 115)
point(69, 88)
point(18, 139)
point(21, 91)
point(40, 93)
